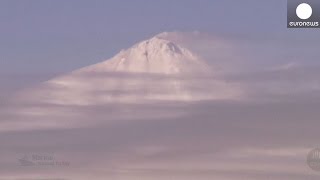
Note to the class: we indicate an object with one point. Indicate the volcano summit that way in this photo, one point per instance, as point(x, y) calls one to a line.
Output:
point(156, 69)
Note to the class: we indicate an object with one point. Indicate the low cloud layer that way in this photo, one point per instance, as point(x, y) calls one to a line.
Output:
point(265, 130)
point(199, 140)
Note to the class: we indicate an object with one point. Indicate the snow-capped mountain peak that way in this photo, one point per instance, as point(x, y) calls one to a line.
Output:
point(155, 55)
point(152, 70)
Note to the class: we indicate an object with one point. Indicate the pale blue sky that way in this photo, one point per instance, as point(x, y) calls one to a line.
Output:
point(38, 36)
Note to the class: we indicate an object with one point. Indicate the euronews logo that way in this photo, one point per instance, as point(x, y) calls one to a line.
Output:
point(303, 14)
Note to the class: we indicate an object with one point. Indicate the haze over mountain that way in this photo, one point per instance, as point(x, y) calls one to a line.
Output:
point(151, 70)
point(238, 99)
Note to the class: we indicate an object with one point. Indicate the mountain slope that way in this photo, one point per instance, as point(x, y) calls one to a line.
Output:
point(156, 69)
point(156, 55)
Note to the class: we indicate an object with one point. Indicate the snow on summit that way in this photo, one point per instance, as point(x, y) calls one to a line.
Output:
point(156, 69)
point(155, 55)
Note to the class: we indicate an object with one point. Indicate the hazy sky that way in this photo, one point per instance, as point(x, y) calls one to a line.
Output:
point(58, 36)
point(254, 137)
